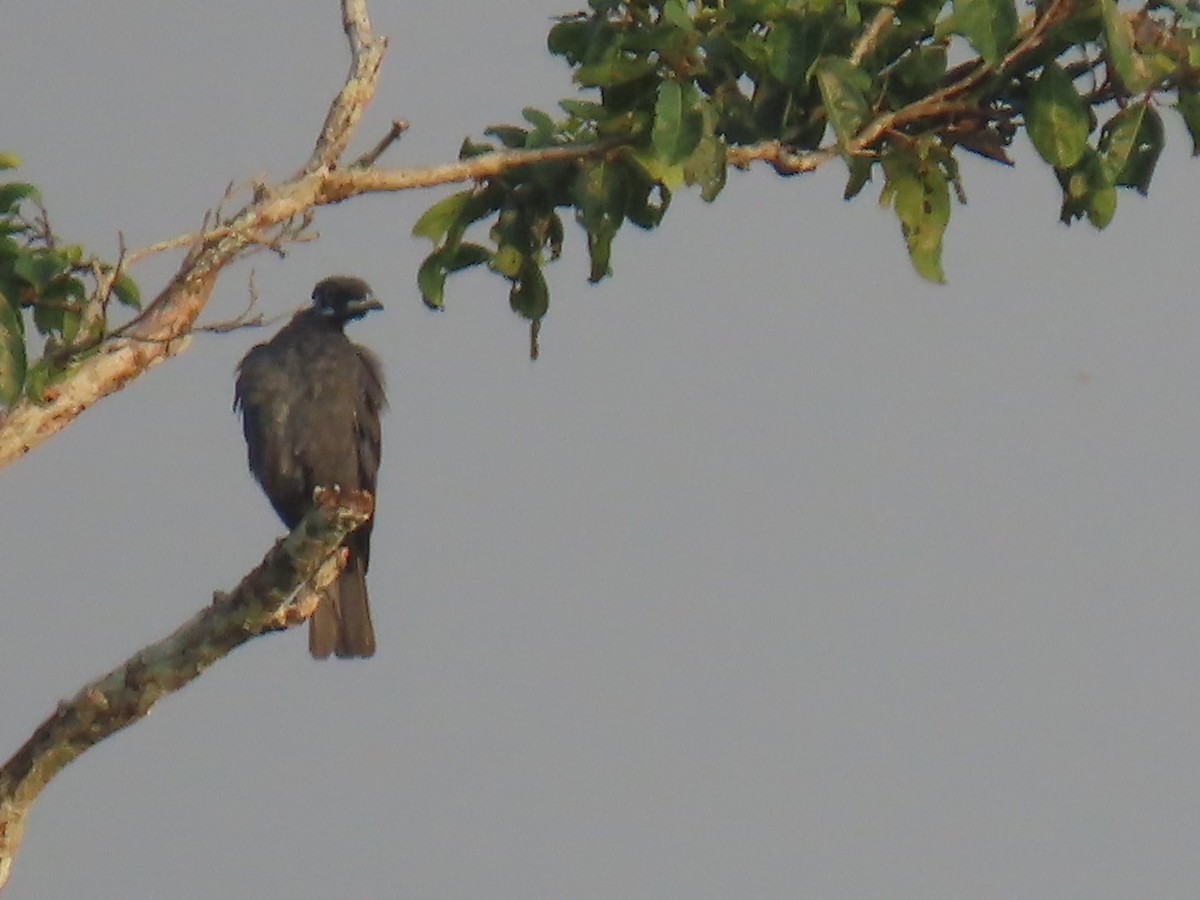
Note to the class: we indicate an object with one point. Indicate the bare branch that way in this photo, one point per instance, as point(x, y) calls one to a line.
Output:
point(786, 160)
point(244, 319)
point(345, 183)
point(258, 605)
point(865, 44)
point(368, 159)
point(175, 243)
point(366, 54)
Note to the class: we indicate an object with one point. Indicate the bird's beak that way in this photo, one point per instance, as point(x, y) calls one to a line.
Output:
point(358, 308)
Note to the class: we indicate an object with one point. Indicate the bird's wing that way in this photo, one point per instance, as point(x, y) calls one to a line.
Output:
point(270, 448)
point(245, 375)
point(252, 375)
point(371, 404)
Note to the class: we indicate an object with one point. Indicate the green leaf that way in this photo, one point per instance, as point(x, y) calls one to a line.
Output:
point(14, 192)
point(126, 291)
point(508, 261)
point(463, 256)
point(37, 269)
point(511, 136)
point(1130, 146)
point(853, 13)
point(919, 72)
point(587, 110)
point(59, 307)
point(670, 176)
point(544, 128)
point(470, 148)
point(12, 353)
point(37, 381)
point(1189, 109)
point(570, 39)
point(919, 13)
point(920, 193)
point(988, 25)
point(707, 168)
point(792, 47)
point(72, 254)
point(1088, 190)
point(1118, 138)
point(431, 279)
point(860, 173)
point(674, 12)
point(436, 221)
point(843, 86)
point(530, 297)
point(1056, 118)
point(599, 244)
point(1083, 26)
point(647, 202)
point(677, 127)
point(599, 196)
point(1130, 66)
point(613, 72)
point(1101, 206)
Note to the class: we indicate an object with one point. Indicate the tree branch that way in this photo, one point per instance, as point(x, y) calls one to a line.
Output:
point(275, 215)
point(368, 159)
point(366, 55)
point(257, 605)
point(870, 37)
point(278, 214)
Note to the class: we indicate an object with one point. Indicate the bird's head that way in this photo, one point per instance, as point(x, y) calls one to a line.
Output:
point(343, 298)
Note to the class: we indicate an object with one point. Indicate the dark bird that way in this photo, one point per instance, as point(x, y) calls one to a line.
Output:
point(310, 402)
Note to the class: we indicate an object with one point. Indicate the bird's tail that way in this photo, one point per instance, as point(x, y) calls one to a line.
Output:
point(341, 624)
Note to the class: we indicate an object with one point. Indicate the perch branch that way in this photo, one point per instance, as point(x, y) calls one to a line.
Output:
point(259, 604)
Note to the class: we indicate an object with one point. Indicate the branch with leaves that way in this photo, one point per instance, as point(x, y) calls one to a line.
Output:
point(81, 367)
point(674, 94)
point(685, 90)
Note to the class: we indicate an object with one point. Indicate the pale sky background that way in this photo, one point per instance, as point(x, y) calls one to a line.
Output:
point(781, 574)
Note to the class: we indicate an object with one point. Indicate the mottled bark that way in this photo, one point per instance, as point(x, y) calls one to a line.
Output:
point(259, 604)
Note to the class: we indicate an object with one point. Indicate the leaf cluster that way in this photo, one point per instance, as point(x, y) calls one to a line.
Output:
point(674, 92)
point(523, 206)
point(48, 288)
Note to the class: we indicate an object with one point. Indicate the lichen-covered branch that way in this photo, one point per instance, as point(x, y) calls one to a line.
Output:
point(366, 55)
point(156, 333)
point(260, 603)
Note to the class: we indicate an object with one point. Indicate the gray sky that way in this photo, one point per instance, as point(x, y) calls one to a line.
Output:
point(781, 574)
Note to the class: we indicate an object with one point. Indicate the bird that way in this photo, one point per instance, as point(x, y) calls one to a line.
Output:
point(310, 401)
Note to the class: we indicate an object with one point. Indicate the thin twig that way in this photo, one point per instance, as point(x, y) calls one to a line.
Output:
point(182, 240)
point(866, 43)
point(243, 319)
point(368, 159)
